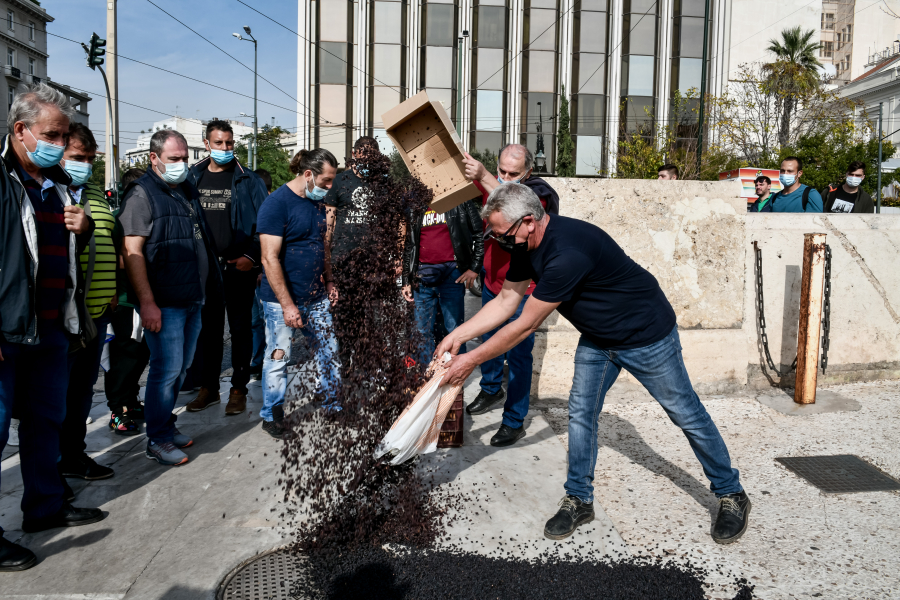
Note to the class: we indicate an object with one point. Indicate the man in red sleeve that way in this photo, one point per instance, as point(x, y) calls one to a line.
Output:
point(514, 165)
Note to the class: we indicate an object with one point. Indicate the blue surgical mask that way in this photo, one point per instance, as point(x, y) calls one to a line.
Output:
point(316, 193)
point(222, 157)
point(854, 181)
point(500, 179)
point(80, 172)
point(363, 170)
point(45, 154)
point(176, 172)
point(787, 180)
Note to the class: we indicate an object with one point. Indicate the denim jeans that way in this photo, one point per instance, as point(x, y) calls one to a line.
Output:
point(258, 317)
point(660, 368)
point(518, 392)
point(450, 297)
point(171, 352)
point(318, 330)
point(42, 377)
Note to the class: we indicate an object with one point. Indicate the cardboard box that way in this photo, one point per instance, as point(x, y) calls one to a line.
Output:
point(747, 176)
point(426, 139)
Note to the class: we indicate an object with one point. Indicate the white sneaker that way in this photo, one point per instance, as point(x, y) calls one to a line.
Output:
point(13, 433)
point(90, 420)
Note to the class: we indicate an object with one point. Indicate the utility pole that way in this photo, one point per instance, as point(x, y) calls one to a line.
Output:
point(251, 151)
point(880, 140)
point(112, 116)
point(703, 70)
point(459, 81)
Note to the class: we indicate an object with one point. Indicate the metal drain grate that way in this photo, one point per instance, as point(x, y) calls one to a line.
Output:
point(269, 576)
point(841, 474)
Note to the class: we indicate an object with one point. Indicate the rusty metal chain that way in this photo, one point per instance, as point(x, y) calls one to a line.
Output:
point(826, 308)
point(761, 315)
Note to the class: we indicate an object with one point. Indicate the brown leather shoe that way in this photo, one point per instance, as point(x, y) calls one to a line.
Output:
point(237, 402)
point(204, 400)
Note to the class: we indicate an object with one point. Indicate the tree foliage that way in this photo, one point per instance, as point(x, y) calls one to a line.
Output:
point(399, 170)
point(792, 76)
point(565, 148)
point(270, 155)
point(487, 158)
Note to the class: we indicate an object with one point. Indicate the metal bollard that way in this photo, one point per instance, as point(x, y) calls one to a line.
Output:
point(810, 317)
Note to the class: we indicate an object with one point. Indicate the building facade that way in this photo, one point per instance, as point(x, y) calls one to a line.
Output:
point(23, 32)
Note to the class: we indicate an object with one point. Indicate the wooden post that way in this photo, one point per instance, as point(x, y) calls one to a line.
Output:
point(810, 317)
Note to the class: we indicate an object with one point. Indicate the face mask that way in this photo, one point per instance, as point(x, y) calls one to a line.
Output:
point(176, 172)
point(80, 172)
point(500, 180)
point(222, 157)
point(854, 181)
point(363, 170)
point(508, 243)
point(787, 180)
point(316, 193)
point(45, 154)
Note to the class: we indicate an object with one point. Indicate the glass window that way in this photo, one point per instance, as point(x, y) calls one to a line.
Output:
point(591, 115)
point(691, 8)
point(540, 30)
point(549, 148)
point(548, 109)
point(590, 28)
point(30, 66)
point(439, 70)
point(333, 20)
point(489, 110)
point(30, 31)
point(639, 33)
point(333, 62)
point(591, 70)
point(11, 57)
point(689, 72)
point(589, 153)
point(383, 100)
point(601, 5)
point(334, 139)
point(639, 6)
point(491, 27)
point(10, 19)
point(638, 75)
point(387, 61)
point(487, 140)
point(10, 96)
point(439, 24)
point(445, 97)
point(388, 17)
point(541, 71)
point(636, 115)
point(333, 103)
point(489, 69)
point(688, 38)
point(543, 4)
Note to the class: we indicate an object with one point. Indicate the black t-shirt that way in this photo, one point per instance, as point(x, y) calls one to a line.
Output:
point(215, 198)
point(606, 296)
point(841, 201)
point(350, 196)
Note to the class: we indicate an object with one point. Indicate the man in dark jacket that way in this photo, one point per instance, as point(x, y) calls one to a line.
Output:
point(41, 309)
point(442, 258)
point(514, 165)
point(849, 197)
point(170, 258)
point(230, 195)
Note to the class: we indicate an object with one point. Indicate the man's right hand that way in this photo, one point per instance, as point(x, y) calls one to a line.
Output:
point(448, 344)
point(151, 317)
point(292, 317)
point(475, 171)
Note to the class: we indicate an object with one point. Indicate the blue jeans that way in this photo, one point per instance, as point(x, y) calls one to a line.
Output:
point(450, 297)
point(518, 393)
point(42, 376)
point(660, 369)
point(171, 353)
point(319, 332)
point(258, 320)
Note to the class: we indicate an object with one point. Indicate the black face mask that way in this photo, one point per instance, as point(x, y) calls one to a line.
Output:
point(507, 242)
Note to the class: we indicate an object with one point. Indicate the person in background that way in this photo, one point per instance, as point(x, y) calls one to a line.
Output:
point(258, 313)
point(42, 307)
point(667, 173)
point(230, 195)
point(129, 354)
point(849, 197)
point(763, 202)
point(169, 257)
point(514, 165)
point(99, 262)
point(795, 196)
point(297, 286)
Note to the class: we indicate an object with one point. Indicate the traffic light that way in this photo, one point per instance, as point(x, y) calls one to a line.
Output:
point(96, 51)
point(120, 191)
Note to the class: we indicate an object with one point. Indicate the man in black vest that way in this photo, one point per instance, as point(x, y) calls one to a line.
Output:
point(168, 254)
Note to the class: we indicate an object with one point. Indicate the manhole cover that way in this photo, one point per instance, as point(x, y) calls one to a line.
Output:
point(841, 474)
point(269, 576)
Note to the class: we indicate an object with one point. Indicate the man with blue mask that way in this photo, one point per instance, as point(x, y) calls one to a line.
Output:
point(231, 195)
point(169, 258)
point(849, 197)
point(795, 196)
point(41, 304)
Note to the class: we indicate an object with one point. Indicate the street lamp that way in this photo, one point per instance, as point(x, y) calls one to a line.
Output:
point(255, 111)
point(540, 161)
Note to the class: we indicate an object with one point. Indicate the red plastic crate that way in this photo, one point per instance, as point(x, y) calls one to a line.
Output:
point(451, 435)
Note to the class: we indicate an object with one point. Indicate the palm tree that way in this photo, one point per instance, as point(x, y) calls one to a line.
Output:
point(794, 73)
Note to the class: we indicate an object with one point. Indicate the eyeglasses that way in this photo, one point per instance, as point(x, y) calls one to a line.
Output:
point(510, 236)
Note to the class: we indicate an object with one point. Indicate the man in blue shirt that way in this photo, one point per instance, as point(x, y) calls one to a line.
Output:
point(795, 197)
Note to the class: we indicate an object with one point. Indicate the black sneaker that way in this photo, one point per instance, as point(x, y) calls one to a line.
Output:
point(483, 402)
point(572, 513)
point(507, 436)
point(68, 516)
point(84, 467)
point(136, 411)
point(274, 428)
point(733, 518)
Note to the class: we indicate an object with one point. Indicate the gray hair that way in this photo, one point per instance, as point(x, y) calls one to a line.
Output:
point(162, 136)
point(514, 201)
point(27, 107)
point(529, 157)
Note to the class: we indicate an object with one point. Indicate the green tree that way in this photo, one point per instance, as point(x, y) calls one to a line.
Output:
point(794, 73)
point(270, 155)
point(565, 148)
point(399, 171)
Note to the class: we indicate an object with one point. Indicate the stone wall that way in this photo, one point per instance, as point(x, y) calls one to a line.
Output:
point(696, 239)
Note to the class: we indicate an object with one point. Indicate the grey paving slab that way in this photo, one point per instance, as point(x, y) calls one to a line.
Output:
point(827, 401)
